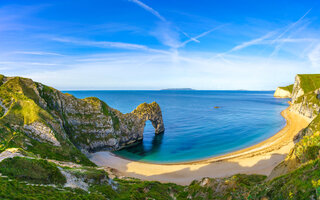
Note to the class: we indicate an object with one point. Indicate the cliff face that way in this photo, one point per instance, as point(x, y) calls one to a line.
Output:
point(305, 101)
point(45, 123)
point(91, 124)
point(297, 90)
point(305, 95)
point(307, 105)
point(282, 93)
point(38, 113)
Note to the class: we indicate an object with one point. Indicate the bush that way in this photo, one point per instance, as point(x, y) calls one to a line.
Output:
point(32, 170)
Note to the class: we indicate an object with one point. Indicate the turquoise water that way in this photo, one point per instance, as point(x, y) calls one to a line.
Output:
point(194, 128)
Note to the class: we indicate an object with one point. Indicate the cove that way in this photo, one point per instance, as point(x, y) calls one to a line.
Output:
point(198, 124)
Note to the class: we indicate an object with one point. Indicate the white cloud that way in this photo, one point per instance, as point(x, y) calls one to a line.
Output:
point(166, 32)
point(39, 53)
point(139, 66)
point(14, 63)
point(314, 56)
point(276, 40)
point(155, 71)
point(107, 44)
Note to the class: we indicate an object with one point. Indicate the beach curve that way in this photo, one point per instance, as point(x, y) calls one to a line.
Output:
point(257, 159)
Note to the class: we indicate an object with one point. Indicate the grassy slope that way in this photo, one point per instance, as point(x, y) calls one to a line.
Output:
point(32, 170)
point(22, 171)
point(309, 82)
point(17, 95)
point(13, 189)
point(303, 181)
point(129, 190)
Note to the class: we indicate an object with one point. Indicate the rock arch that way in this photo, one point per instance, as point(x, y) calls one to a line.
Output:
point(151, 112)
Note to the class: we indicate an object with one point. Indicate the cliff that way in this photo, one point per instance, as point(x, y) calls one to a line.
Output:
point(305, 101)
point(304, 94)
point(283, 92)
point(35, 116)
point(41, 127)
point(305, 83)
point(297, 177)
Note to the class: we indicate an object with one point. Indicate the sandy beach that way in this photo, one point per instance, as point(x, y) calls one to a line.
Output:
point(258, 159)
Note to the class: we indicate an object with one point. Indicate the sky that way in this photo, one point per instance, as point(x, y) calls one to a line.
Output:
point(156, 44)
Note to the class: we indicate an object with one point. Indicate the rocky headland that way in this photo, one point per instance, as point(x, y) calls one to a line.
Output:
point(45, 137)
point(43, 115)
point(283, 92)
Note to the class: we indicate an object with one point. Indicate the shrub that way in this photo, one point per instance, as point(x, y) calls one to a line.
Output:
point(32, 170)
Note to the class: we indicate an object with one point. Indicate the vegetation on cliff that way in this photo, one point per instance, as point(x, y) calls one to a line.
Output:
point(32, 170)
point(309, 82)
point(42, 133)
point(48, 123)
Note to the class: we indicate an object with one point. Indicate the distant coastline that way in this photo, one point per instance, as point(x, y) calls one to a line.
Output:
point(184, 89)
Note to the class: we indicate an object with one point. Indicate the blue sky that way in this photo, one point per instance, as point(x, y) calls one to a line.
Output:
point(154, 44)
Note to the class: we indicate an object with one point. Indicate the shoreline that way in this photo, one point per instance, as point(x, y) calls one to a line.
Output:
point(260, 158)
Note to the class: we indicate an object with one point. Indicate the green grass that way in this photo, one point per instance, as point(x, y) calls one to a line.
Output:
point(302, 183)
point(89, 174)
point(31, 170)
point(1, 79)
point(234, 187)
point(65, 152)
point(18, 94)
point(13, 189)
point(308, 148)
point(108, 112)
point(138, 190)
point(1, 111)
point(135, 190)
point(127, 189)
point(309, 82)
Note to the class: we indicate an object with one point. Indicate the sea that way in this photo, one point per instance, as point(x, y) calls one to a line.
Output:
point(198, 124)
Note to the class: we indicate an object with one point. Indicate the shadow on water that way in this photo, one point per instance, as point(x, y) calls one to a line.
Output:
point(142, 149)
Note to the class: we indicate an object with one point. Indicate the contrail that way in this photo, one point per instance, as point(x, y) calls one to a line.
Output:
point(293, 25)
point(157, 14)
point(149, 9)
point(195, 39)
point(251, 42)
point(277, 48)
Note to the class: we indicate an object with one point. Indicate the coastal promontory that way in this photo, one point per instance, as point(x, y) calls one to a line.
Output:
point(33, 114)
point(45, 137)
point(283, 92)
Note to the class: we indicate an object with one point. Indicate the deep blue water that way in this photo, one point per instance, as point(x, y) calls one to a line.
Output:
point(194, 128)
